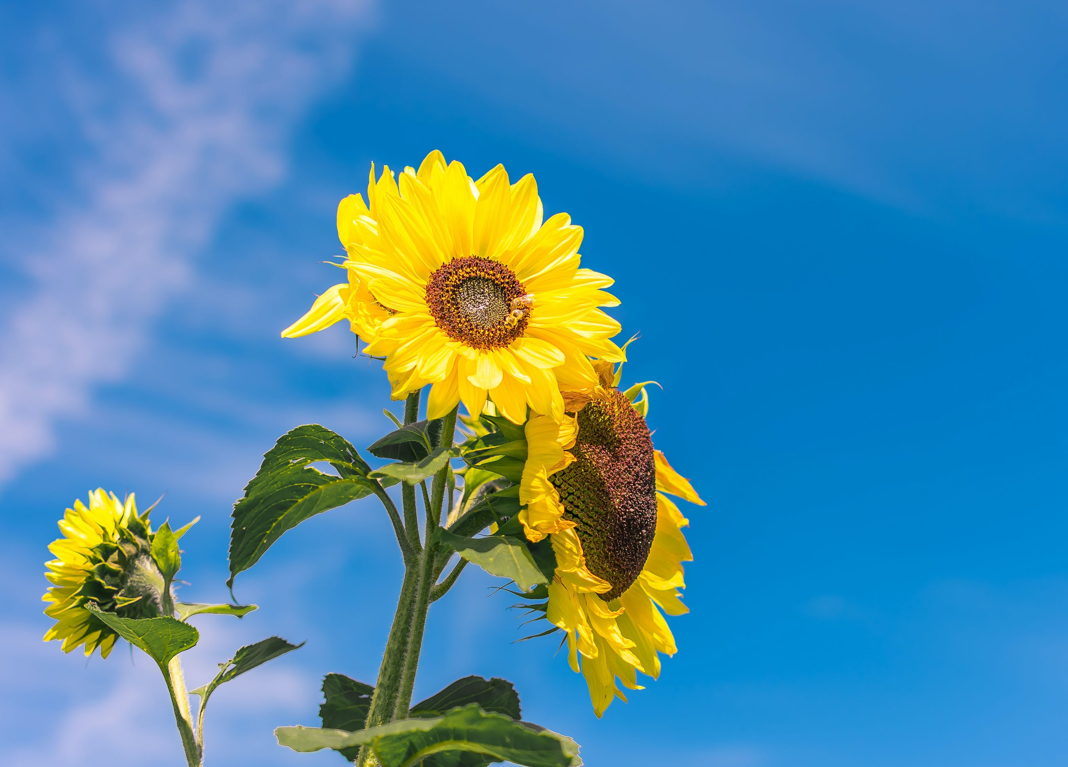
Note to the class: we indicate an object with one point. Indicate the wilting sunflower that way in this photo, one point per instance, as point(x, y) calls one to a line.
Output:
point(461, 285)
point(596, 487)
point(104, 556)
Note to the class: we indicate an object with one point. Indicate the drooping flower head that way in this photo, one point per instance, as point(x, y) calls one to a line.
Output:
point(104, 557)
point(595, 486)
point(461, 285)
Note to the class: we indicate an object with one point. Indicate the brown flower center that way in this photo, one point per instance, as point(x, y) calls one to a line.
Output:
point(610, 490)
point(478, 302)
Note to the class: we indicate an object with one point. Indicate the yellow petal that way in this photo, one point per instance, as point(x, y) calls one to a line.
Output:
point(444, 395)
point(670, 481)
point(492, 213)
point(327, 309)
point(510, 399)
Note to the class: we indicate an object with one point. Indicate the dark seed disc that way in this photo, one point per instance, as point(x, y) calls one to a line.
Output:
point(610, 490)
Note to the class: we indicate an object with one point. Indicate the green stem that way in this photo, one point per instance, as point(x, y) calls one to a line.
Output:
point(442, 588)
point(411, 408)
point(411, 511)
point(427, 576)
point(172, 674)
point(384, 699)
point(398, 526)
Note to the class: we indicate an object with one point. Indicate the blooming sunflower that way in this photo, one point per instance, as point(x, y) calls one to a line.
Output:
point(104, 556)
point(593, 484)
point(461, 285)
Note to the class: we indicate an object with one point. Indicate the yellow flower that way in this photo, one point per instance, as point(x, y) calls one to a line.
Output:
point(476, 294)
point(104, 556)
point(594, 484)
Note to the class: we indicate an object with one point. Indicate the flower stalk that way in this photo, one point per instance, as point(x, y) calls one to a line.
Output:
point(183, 717)
point(400, 661)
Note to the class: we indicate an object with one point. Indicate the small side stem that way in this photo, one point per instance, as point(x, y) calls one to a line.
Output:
point(398, 526)
point(183, 717)
point(441, 589)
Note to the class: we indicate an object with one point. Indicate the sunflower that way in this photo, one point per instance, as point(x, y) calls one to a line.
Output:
point(461, 285)
point(593, 484)
point(104, 556)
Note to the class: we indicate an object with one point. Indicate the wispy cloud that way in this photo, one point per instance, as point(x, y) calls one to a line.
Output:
point(190, 114)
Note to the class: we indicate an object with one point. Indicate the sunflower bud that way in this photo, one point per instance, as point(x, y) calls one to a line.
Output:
point(104, 557)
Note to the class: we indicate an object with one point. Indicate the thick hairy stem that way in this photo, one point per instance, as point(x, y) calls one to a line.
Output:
point(384, 700)
point(183, 717)
point(427, 576)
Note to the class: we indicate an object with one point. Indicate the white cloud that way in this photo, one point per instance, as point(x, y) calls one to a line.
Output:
point(191, 115)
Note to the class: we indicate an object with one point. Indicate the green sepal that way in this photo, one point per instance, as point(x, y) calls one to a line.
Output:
point(642, 405)
point(511, 431)
point(165, 552)
point(619, 367)
point(509, 468)
point(414, 473)
point(245, 659)
point(160, 638)
point(186, 610)
point(413, 442)
point(185, 528)
point(480, 450)
point(288, 490)
point(408, 742)
point(475, 478)
point(500, 555)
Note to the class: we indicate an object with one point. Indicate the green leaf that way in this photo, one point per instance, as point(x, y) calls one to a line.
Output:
point(160, 638)
point(544, 557)
point(165, 552)
point(246, 659)
point(490, 508)
point(188, 609)
point(413, 442)
point(346, 707)
point(287, 490)
point(406, 742)
point(414, 473)
point(500, 555)
point(494, 695)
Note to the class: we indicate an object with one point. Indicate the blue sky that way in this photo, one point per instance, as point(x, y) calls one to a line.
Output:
point(840, 228)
